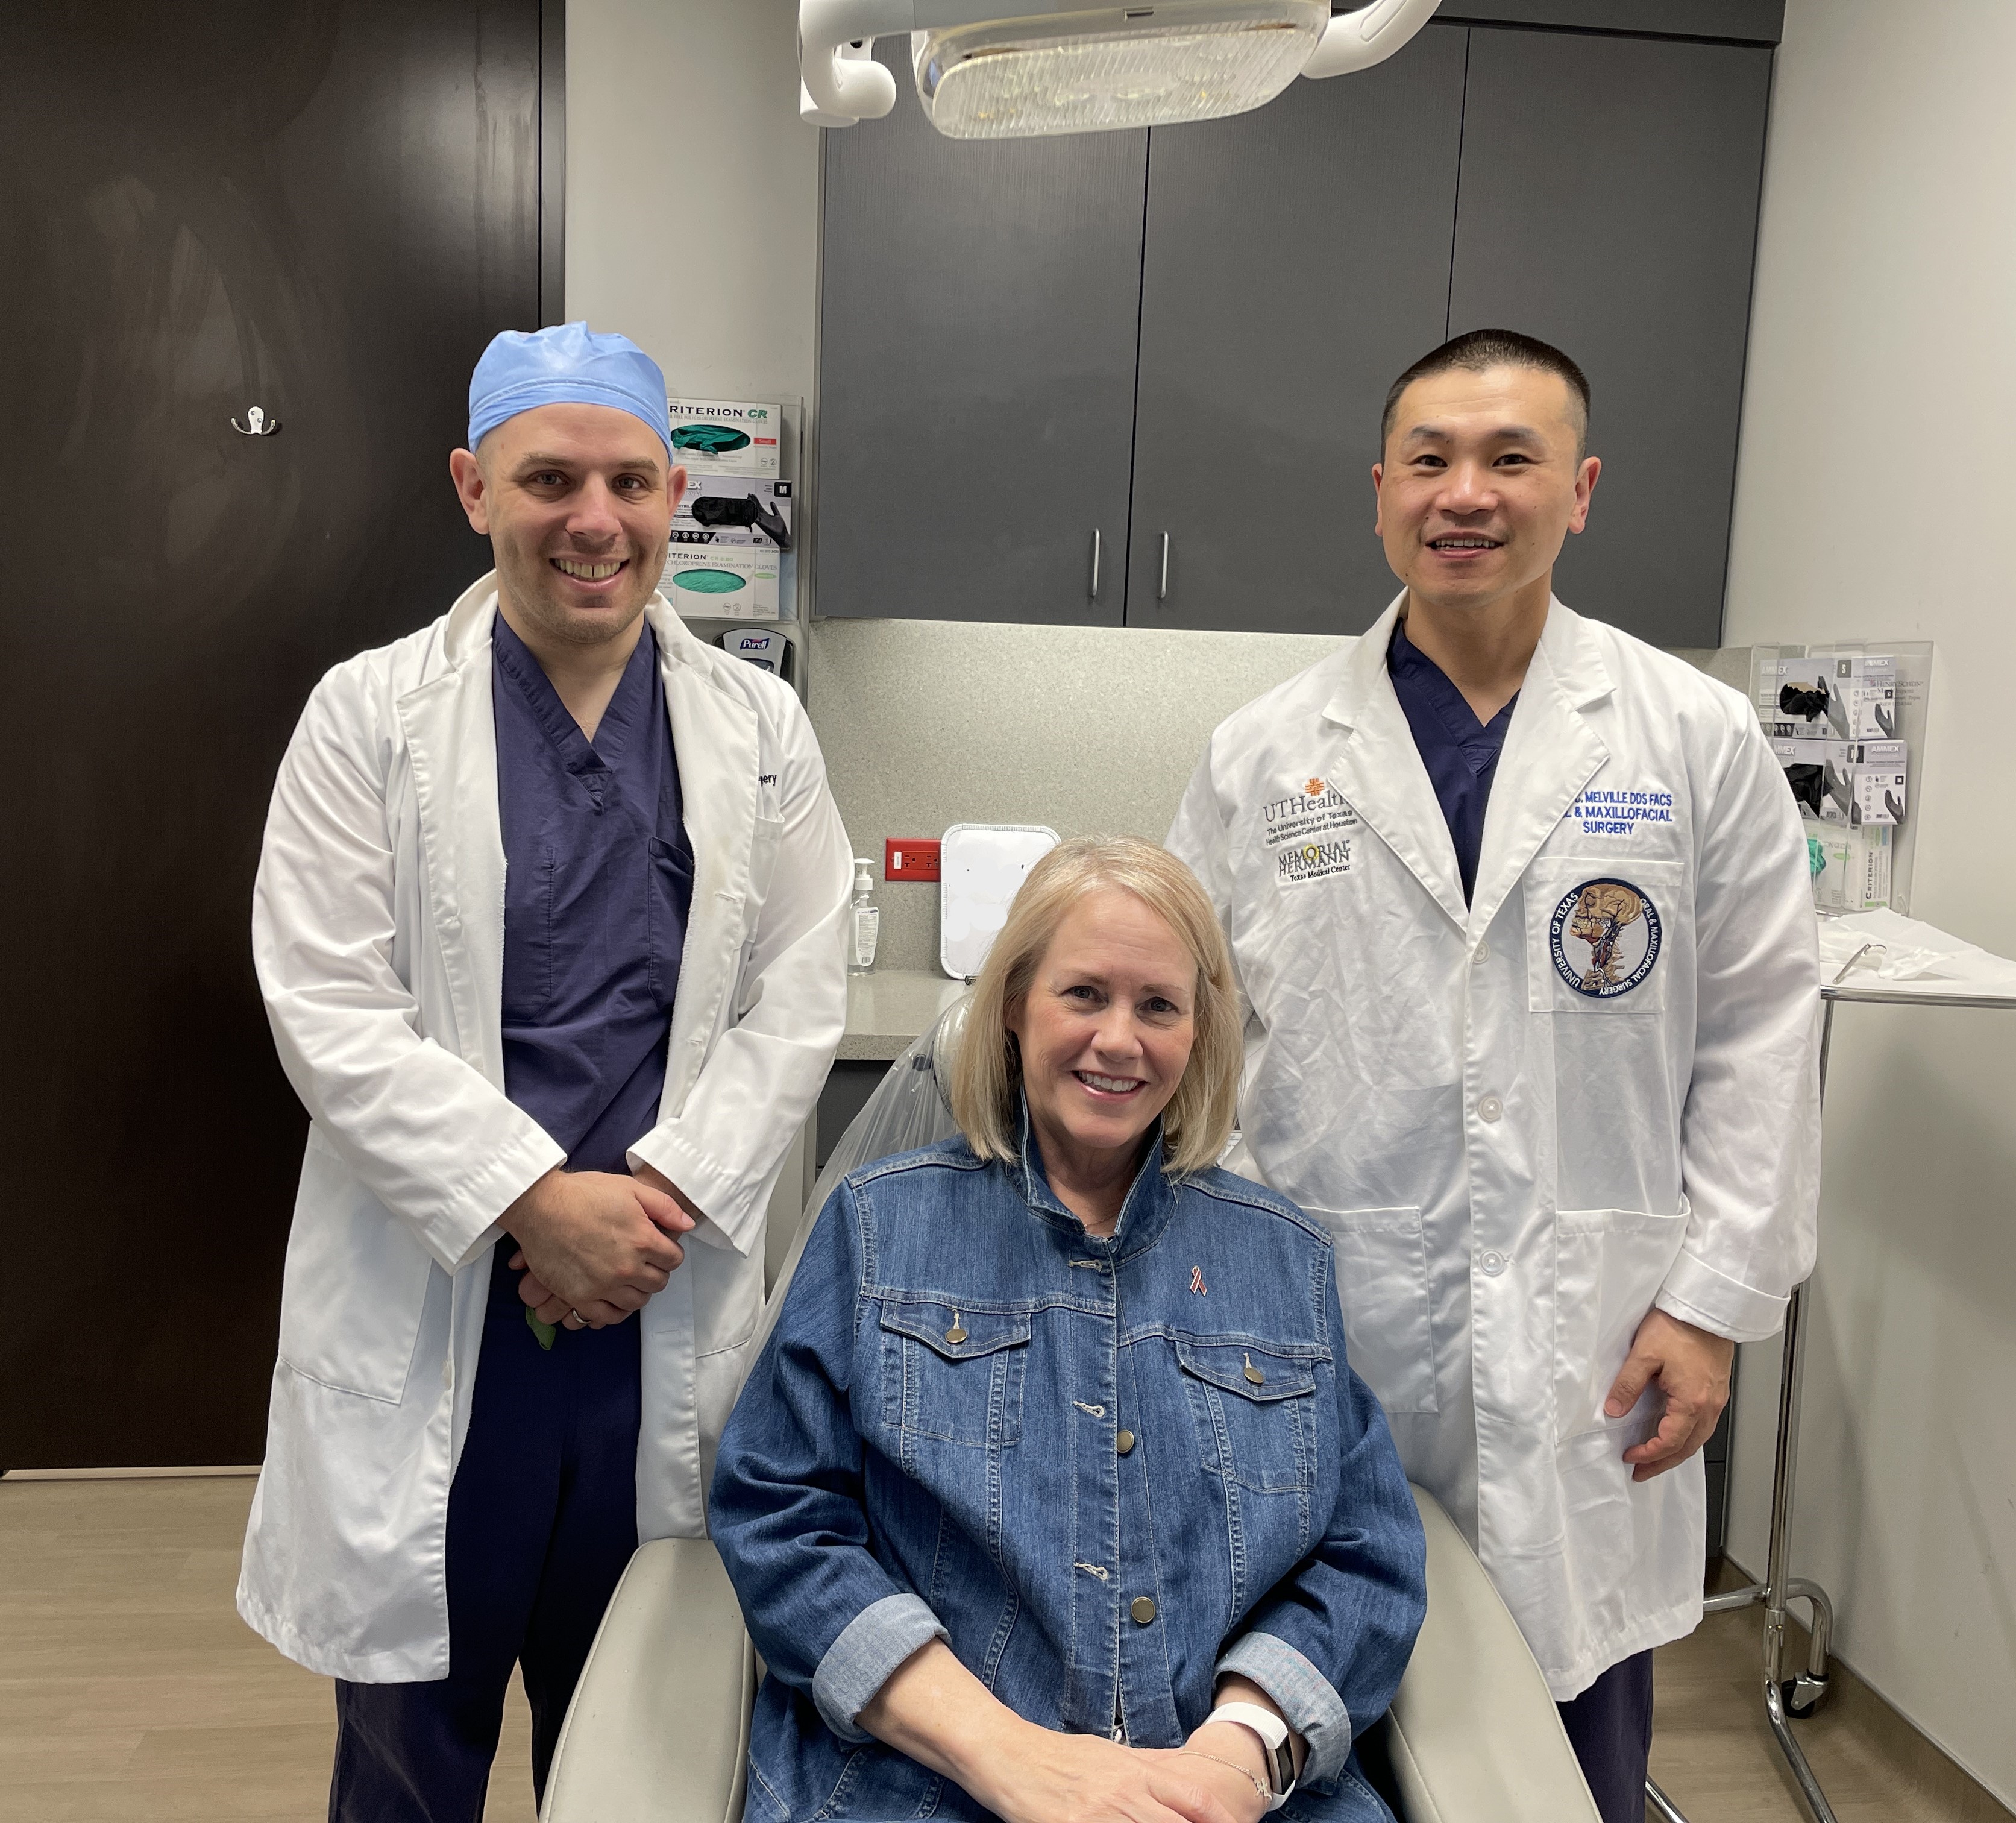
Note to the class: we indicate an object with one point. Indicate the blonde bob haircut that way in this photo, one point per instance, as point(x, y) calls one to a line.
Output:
point(987, 1074)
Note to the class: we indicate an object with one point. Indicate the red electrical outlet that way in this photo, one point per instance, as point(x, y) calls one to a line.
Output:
point(906, 859)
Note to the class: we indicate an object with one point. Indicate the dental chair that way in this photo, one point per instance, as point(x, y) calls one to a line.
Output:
point(658, 1731)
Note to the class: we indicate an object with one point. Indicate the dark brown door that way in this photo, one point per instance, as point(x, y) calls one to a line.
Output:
point(320, 211)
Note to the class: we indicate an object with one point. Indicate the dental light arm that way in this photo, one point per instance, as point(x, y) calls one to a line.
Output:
point(842, 83)
point(1357, 40)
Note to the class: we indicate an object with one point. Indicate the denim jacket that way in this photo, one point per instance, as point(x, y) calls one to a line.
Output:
point(1105, 1472)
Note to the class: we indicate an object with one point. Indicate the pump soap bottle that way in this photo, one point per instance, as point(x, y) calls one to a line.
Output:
point(864, 920)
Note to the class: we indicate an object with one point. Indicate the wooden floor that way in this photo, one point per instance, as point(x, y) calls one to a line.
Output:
point(130, 1692)
point(1713, 1754)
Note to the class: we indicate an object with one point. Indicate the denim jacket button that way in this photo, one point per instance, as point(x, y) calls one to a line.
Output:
point(1143, 1609)
point(1123, 1441)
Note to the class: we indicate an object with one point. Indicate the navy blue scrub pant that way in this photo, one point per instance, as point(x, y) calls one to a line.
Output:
point(1610, 1727)
point(541, 1520)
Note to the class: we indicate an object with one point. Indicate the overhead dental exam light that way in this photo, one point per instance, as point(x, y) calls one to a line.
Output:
point(983, 73)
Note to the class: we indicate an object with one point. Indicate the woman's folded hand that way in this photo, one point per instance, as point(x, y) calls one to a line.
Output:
point(935, 1710)
point(1207, 1763)
point(1043, 1777)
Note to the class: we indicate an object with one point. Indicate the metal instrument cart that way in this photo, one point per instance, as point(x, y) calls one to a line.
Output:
point(1787, 1697)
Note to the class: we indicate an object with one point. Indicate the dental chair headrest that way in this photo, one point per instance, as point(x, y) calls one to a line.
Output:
point(945, 1037)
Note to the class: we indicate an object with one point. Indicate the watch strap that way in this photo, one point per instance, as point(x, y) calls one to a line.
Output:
point(1273, 1733)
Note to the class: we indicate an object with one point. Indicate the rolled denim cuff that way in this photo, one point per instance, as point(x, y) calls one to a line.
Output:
point(1307, 1701)
point(862, 1660)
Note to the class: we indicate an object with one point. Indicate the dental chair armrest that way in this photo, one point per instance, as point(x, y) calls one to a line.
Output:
point(659, 1726)
point(1474, 1735)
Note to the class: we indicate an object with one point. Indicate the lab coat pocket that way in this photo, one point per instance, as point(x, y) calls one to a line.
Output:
point(763, 845)
point(1382, 1286)
point(1600, 930)
point(1609, 1266)
point(354, 1284)
point(720, 1367)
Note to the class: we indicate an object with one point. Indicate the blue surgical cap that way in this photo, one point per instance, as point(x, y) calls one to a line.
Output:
point(566, 365)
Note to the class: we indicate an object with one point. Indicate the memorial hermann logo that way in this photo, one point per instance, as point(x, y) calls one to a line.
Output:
point(1298, 864)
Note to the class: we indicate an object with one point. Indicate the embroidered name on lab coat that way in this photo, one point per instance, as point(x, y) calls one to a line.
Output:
point(1602, 810)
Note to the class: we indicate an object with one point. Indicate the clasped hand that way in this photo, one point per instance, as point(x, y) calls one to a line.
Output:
point(595, 1245)
point(935, 1710)
point(1081, 1778)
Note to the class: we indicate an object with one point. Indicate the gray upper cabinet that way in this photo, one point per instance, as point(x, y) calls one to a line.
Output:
point(979, 316)
point(1609, 205)
point(1178, 343)
point(1296, 258)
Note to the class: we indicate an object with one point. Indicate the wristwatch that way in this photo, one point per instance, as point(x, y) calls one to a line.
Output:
point(1273, 1733)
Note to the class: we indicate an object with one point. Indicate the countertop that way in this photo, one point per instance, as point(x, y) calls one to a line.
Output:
point(887, 1007)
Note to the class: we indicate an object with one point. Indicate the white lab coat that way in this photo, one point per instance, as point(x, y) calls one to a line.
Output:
point(378, 933)
point(1515, 1170)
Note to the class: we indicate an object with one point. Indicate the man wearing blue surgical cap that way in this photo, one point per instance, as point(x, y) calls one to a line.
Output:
point(547, 923)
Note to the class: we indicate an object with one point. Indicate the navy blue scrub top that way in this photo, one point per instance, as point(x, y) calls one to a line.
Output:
point(597, 884)
point(1461, 752)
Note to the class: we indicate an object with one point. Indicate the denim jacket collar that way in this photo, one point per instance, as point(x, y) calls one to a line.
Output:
point(1150, 1199)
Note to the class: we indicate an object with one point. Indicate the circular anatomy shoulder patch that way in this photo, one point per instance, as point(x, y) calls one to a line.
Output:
point(1604, 938)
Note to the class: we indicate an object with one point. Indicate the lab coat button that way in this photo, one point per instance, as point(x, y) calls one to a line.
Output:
point(1491, 1108)
point(1481, 953)
point(1142, 1608)
point(1493, 1261)
point(1123, 1441)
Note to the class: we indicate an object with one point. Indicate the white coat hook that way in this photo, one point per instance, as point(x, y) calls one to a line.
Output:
point(260, 425)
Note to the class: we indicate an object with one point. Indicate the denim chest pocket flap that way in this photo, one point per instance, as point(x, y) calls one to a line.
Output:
point(1255, 1413)
point(953, 1375)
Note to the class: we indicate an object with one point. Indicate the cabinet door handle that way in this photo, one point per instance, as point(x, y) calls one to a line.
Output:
point(1162, 587)
point(1096, 543)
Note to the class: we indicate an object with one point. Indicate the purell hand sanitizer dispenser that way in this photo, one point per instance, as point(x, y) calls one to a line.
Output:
point(765, 646)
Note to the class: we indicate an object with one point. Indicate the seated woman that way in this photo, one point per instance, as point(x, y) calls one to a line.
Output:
point(1052, 1495)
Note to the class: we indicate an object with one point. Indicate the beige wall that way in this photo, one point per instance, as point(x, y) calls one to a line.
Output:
point(1092, 730)
point(693, 190)
point(1872, 501)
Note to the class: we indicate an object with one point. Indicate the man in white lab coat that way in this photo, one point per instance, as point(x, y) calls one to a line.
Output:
point(1520, 906)
point(547, 924)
